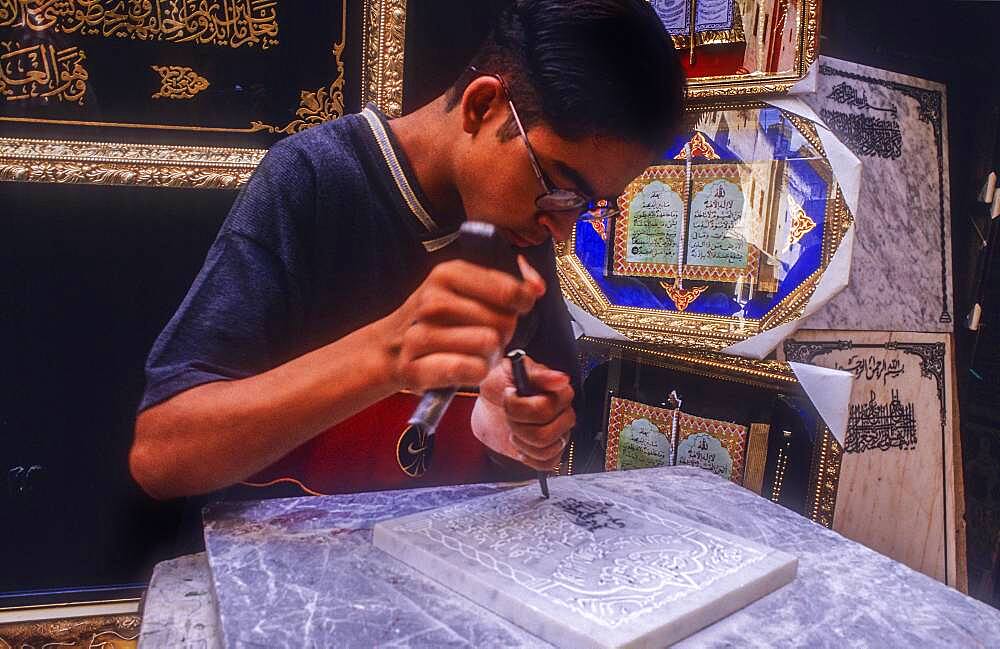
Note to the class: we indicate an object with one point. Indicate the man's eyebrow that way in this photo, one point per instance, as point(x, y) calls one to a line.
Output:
point(575, 176)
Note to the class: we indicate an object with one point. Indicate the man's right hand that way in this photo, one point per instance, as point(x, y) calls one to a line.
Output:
point(454, 327)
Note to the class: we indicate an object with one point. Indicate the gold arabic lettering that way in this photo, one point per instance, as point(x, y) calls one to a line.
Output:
point(225, 23)
point(42, 71)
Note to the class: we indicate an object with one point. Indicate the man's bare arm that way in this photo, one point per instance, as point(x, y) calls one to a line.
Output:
point(449, 332)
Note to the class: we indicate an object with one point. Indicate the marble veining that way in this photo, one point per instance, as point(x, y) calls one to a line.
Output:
point(302, 573)
point(178, 610)
point(586, 568)
point(901, 268)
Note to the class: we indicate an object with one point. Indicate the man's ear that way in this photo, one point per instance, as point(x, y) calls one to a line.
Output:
point(482, 102)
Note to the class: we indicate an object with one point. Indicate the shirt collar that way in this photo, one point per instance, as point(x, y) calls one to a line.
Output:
point(434, 234)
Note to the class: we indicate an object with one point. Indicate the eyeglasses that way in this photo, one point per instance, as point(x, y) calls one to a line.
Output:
point(555, 199)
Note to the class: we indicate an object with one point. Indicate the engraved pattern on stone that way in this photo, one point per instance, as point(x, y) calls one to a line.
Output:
point(586, 566)
point(646, 571)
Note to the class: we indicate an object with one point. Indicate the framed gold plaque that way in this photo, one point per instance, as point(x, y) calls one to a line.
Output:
point(183, 94)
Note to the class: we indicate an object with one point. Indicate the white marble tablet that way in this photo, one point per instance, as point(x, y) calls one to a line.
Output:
point(586, 568)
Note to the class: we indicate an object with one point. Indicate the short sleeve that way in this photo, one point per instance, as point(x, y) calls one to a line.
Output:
point(246, 301)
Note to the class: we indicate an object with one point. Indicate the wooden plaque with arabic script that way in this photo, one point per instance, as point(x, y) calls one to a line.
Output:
point(900, 490)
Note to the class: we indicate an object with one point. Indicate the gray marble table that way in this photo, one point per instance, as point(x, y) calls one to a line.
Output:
point(302, 573)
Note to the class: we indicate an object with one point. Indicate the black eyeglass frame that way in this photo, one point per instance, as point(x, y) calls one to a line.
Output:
point(554, 199)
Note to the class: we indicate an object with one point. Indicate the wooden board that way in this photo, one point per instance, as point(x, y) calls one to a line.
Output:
point(900, 480)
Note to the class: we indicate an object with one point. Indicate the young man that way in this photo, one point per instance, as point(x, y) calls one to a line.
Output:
point(329, 287)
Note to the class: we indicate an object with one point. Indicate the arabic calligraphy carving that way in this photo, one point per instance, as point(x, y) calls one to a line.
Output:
point(873, 368)
point(42, 71)
point(866, 135)
point(178, 82)
point(930, 110)
point(881, 426)
point(846, 94)
point(226, 23)
point(591, 515)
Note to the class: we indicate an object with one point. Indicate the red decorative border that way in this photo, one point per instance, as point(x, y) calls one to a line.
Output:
point(732, 436)
point(674, 175)
point(624, 412)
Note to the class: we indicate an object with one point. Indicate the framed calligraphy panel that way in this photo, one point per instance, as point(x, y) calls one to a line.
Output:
point(183, 94)
point(742, 47)
point(725, 237)
point(206, 72)
point(667, 229)
point(748, 421)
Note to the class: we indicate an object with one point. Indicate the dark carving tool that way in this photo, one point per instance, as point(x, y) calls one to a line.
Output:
point(481, 244)
point(524, 389)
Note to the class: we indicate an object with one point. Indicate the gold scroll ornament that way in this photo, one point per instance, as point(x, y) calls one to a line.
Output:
point(225, 23)
point(178, 82)
point(42, 71)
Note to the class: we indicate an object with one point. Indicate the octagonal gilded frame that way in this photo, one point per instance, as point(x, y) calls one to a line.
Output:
point(704, 332)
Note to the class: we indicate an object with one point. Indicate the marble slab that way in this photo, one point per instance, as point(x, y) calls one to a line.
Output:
point(586, 568)
point(901, 272)
point(178, 609)
point(303, 573)
point(897, 488)
point(297, 573)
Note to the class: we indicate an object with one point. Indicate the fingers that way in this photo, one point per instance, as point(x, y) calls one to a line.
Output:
point(454, 327)
point(531, 276)
point(423, 339)
point(438, 309)
point(541, 458)
point(443, 369)
point(495, 288)
point(434, 356)
point(540, 424)
point(538, 409)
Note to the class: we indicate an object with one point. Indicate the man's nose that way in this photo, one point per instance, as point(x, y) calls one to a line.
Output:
point(559, 224)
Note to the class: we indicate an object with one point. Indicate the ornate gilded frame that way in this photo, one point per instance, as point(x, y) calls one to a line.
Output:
point(108, 163)
point(702, 332)
point(734, 86)
point(73, 632)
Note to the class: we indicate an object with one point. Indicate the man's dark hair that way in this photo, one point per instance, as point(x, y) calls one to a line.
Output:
point(584, 67)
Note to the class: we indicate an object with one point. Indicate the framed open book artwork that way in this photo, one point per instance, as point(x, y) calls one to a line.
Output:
point(744, 420)
point(727, 236)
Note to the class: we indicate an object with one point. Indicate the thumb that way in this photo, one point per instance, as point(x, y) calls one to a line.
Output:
point(531, 276)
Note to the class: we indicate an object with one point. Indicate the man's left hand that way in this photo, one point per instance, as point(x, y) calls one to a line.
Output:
point(533, 430)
